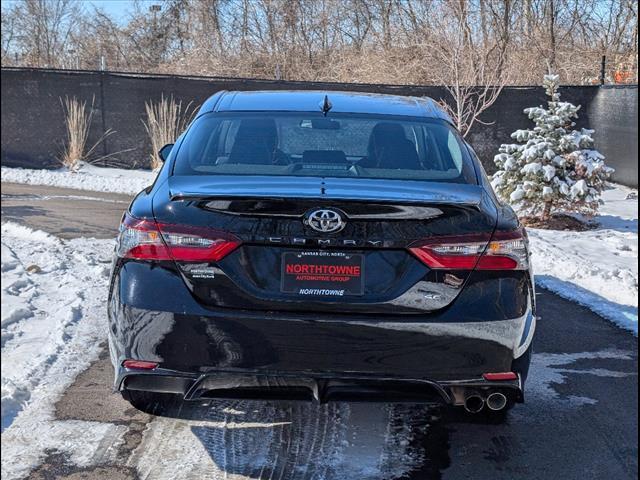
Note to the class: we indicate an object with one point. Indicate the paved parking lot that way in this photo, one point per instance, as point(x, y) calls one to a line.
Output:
point(579, 422)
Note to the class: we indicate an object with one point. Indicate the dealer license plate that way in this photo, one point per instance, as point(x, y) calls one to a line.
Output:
point(322, 273)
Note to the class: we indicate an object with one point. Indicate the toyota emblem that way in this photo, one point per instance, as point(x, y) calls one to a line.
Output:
point(325, 220)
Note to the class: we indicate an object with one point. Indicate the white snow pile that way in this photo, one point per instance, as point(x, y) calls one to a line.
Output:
point(54, 294)
point(596, 268)
point(87, 177)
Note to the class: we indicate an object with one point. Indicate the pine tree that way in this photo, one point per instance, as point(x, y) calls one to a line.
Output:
point(553, 167)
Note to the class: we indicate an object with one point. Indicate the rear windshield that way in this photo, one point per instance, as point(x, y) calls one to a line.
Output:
point(338, 145)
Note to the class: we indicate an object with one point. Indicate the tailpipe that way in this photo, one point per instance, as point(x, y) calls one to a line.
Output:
point(473, 403)
point(496, 401)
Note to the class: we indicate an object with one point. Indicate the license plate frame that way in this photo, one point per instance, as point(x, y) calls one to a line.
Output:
point(322, 273)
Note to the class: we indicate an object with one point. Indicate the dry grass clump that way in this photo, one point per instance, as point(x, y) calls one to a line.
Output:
point(77, 124)
point(165, 121)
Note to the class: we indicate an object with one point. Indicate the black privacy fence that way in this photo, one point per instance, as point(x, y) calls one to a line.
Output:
point(33, 122)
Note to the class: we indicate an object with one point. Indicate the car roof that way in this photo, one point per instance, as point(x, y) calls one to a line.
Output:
point(311, 101)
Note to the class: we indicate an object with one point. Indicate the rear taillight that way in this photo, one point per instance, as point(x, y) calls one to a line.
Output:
point(139, 365)
point(500, 376)
point(503, 251)
point(149, 240)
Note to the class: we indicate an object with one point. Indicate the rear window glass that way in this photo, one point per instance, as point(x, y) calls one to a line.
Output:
point(339, 145)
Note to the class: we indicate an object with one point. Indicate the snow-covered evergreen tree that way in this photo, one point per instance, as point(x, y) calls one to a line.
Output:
point(553, 167)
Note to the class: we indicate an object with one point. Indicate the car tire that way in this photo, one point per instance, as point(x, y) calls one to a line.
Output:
point(148, 402)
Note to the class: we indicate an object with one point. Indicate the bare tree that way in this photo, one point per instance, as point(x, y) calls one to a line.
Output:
point(469, 66)
point(45, 28)
point(9, 20)
point(451, 42)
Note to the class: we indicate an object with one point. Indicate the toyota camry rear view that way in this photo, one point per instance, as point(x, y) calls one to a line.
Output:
point(322, 246)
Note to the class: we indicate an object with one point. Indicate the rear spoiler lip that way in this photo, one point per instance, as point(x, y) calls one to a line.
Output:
point(362, 190)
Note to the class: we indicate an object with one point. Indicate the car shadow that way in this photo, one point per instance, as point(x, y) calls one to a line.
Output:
point(304, 440)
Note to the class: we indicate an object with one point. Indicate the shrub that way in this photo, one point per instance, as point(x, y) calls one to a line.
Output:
point(553, 167)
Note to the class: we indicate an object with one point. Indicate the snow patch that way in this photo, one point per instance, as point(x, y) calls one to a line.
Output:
point(596, 268)
point(53, 322)
point(88, 177)
point(579, 188)
point(549, 172)
point(518, 194)
point(549, 369)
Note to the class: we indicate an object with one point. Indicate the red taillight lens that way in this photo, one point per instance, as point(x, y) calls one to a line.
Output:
point(454, 253)
point(148, 240)
point(496, 377)
point(194, 244)
point(139, 365)
point(503, 251)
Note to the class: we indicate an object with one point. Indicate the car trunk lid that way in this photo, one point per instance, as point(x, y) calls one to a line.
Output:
point(283, 263)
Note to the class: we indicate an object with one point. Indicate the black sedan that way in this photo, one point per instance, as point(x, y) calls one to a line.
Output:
point(323, 246)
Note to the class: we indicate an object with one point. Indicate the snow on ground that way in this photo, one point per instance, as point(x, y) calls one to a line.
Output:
point(53, 321)
point(88, 177)
point(553, 369)
point(596, 268)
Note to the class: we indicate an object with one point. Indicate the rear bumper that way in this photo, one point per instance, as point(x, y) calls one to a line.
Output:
point(317, 387)
point(259, 344)
point(205, 351)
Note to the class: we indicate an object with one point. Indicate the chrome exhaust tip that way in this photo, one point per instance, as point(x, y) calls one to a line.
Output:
point(473, 403)
point(496, 401)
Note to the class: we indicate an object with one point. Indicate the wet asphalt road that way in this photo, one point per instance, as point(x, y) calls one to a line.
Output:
point(64, 212)
point(579, 422)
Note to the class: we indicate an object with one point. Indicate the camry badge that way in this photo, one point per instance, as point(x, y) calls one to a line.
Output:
point(325, 220)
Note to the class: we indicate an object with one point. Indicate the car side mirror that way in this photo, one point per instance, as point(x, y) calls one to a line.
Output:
point(165, 151)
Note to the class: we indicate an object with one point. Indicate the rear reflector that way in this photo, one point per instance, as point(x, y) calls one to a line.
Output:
point(496, 377)
point(503, 251)
point(148, 240)
point(139, 365)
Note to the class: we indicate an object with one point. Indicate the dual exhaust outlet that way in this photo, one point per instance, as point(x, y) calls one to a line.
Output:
point(474, 401)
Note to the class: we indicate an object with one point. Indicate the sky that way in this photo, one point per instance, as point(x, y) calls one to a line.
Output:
point(117, 9)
